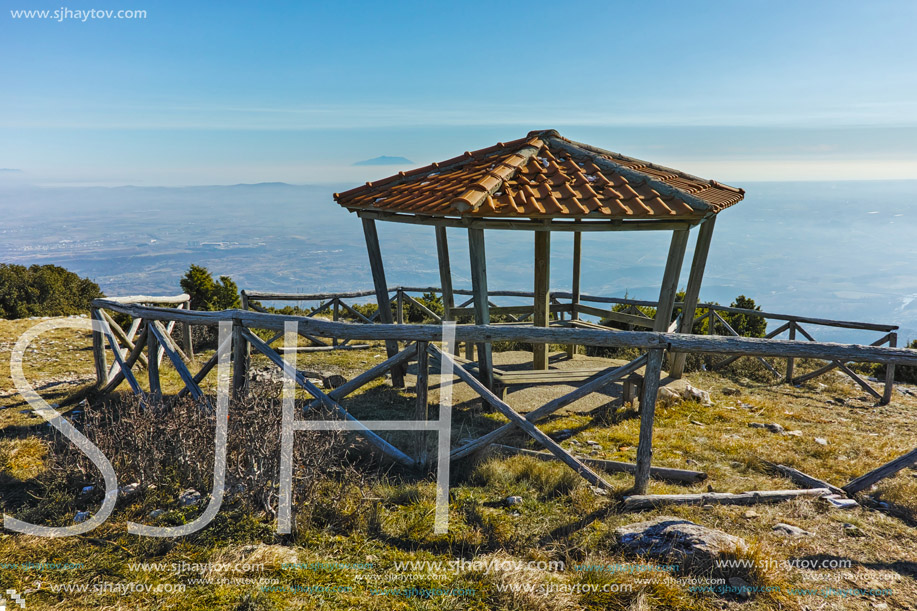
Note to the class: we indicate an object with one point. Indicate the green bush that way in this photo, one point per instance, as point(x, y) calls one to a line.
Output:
point(208, 294)
point(43, 290)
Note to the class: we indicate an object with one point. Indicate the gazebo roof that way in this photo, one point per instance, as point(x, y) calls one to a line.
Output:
point(544, 176)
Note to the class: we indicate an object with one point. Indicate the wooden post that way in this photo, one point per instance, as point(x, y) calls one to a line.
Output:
point(647, 413)
point(889, 372)
point(248, 349)
point(575, 290)
point(186, 334)
point(240, 359)
point(399, 306)
point(382, 299)
point(335, 315)
point(670, 280)
point(152, 349)
point(98, 348)
point(542, 294)
point(481, 305)
point(791, 362)
point(445, 272)
point(421, 408)
point(692, 291)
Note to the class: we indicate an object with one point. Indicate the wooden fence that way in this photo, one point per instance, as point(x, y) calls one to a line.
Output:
point(569, 309)
point(244, 322)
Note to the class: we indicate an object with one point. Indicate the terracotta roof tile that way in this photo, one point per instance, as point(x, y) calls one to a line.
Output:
point(543, 176)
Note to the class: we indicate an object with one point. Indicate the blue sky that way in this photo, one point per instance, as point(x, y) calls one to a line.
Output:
point(227, 92)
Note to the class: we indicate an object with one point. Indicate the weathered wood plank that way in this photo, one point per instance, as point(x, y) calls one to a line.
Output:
point(886, 470)
point(542, 305)
point(692, 290)
point(125, 370)
point(613, 466)
point(421, 407)
point(382, 300)
point(152, 349)
point(651, 501)
point(805, 479)
point(240, 361)
point(369, 375)
point(119, 377)
point(166, 345)
point(481, 305)
point(445, 272)
point(889, 372)
point(670, 280)
point(121, 335)
point(647, 414)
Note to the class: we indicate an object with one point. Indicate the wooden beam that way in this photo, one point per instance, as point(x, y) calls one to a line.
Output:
point(670, 280)
point(119, 377)
point(692, 291)
point(445, 272)
point(542, 296)
point(535, 224)
point(421, 407)
point(240, 360)
point(152, 349)
point(575, 288)
point(382, 299)
point(889, 468)
point(384, 446)
point(574, 463)
point(651, 501)
point(481, 305)
point(647, 414)
point(614, 466)
point(98, 348)
point(889, 372)
point(804, 479)
point(550, 407)
point(168, 347)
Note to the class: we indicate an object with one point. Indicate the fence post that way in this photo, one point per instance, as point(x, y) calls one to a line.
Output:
point(240, 359)
point(889, 372)
point(790, 362)
point(98, 349)
point(186, 332)
point(647, 413)
point(421, 408)
point(152, 349)
point(399, 306)
point(335, 314)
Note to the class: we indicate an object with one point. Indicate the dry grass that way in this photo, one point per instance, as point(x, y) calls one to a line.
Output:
point(385, 519)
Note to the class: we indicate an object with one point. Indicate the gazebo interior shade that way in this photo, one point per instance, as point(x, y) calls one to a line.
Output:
point(544, 175)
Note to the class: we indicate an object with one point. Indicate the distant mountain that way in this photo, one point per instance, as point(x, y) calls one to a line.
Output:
point(386, 160)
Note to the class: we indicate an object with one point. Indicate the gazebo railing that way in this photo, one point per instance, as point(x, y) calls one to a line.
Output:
point(569, 308)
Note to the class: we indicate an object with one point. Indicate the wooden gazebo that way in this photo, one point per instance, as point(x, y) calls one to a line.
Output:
point(544, 183)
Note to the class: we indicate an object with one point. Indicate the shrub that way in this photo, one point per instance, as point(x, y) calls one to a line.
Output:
point(208, 294)
point(43, 290)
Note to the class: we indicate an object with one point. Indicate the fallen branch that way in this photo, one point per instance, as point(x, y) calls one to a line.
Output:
point(650, 501)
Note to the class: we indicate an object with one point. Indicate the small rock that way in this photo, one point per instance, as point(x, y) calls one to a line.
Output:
point(87, 489)
point(746, 405)
point(691, 461)
point(836, 500)
point(563, 434)
point(666, 396)
point(773, 427)
point(129, 489)
point(757, 425)
point(696, 423)
point(789, 529)
point(794, 433)
point(680, 541)
point(156, 513)
point(189, 497)
point(751, 514)
point(81, 516)
point(852, 530)
point(821, 441)
point(590, 442)
point(731, 392)
point(333, 380)
point(695, 394)
point(599, 491)
point(512, 500)
point(741, 587)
